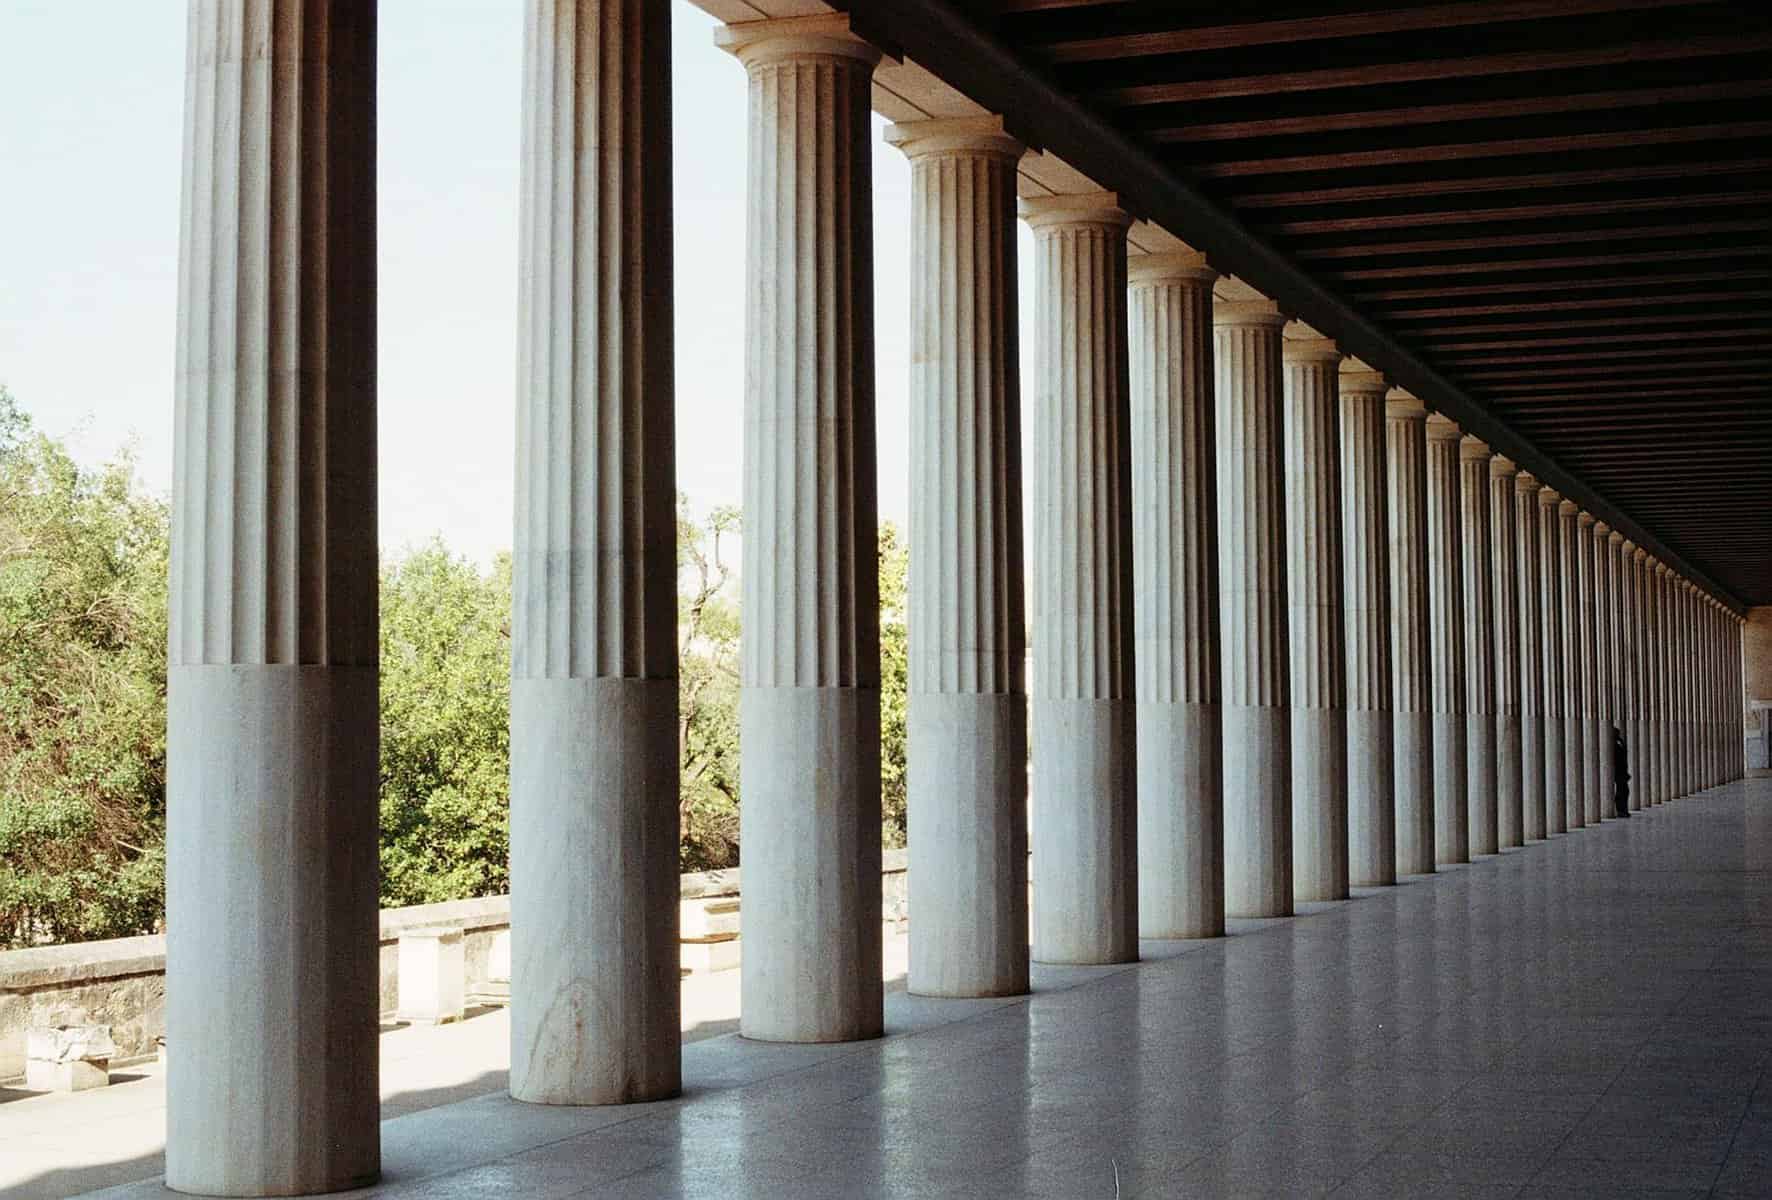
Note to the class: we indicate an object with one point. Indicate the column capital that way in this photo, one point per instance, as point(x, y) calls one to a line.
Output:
point(1403, 403)
point(1261, 313)
point(1082, 208)
point(1302, 344)
point(1638, 554)
point(1471, 447)
point(1549, 497)
point(1568, 508)
point(1615, 538)
point(1359, 379)
point(1503, 467)
point(969, 136)
point(1177, 266)
point(1601, 529)
point(1661, 568)
point(1526, 482)
point(757, 43)
point(1585, 519)
point(1441, 428)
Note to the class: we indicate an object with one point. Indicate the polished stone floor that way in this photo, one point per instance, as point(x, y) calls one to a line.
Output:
point(1589, 1016)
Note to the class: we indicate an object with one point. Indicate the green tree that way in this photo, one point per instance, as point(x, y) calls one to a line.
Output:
point(707, 673)
point(83, 560)
point(445, 727)
point(894, 683)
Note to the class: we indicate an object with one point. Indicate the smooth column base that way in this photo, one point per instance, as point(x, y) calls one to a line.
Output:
point(810, 827)
point(595, 998)
point(1084, 830)
point(968, 844)
point(1509, 814)
point(1590, 769)
point(1480, 810)
point(1451, 802)
point(1180, 820)
point(1319, 804)
point(1414, 781)
point(1257, 812)
point(1371, 807)
point(1574, 751)
point(1532, 777)
point(272, 972)
point(1639, 776)
point(1556, 782)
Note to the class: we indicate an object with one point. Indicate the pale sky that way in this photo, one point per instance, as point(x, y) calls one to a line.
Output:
point(91, 99)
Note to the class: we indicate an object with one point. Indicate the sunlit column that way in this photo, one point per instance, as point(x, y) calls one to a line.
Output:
point(1314, 617)
point(1479, 648)
point(272, 726)
point(1084, 819)
point(1505, 574)
point(1175, 598)
point(967, 710)
point(1574, 667)
point(1411, 631)
point(1553, 688)
point(594, 825)
point(1252, 591)
point(809, 702)
point(1446, 605)
point(1529, 665)
point(1371, 736)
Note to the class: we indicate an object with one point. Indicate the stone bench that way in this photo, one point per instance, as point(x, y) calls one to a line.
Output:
point(68, 1058)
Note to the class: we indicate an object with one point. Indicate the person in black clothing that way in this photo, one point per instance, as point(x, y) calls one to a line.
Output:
point(1620, 774)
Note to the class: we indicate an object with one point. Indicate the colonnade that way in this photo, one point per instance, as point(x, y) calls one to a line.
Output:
point(1291, 632)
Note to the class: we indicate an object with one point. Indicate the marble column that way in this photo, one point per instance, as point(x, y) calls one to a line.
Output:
point(1529, 668)
point(1412, 672)
point(1084, 815)
point(1481, 771)
point(1652, 642)
point(809, 699)
point(1588, 669)
point(1663, 661)
point(1175, 598)
point(1631, 677)
point(1602, 670)
point(1616, 669)
point(967, 709)
point(1446, 615)
point(1689, 687)
point(1314, 616)
point(1510, 820)
point(1554, 686)
point(1574, 664)
point(272, 723)
point(1371, 733)
point(1252, 608)
point(594, 825)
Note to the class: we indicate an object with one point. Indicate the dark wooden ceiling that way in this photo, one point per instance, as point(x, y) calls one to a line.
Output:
point(1562, 205)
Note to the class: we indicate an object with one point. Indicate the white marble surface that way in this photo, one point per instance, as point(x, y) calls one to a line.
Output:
point(1447, 632)
point(1411, 637)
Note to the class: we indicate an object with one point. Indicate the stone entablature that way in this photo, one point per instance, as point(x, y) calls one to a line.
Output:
point(121, 983)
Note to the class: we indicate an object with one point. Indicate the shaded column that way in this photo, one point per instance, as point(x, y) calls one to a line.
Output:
point(594, 824)
point(1314, 618)
point(1602, 727)
point(1631, 706)
point(1510, 818)
point(1574, 667)
point(1652, 641)
point(1252, 607)
point(1085, 783)
point(1554, 687)
point(1411, 635)
point(1529, 668)
point(1446, 616)
point(1175, 598)
point(1616, 669)
point(809, 703)
point(272, 724)
point(1663, 687)
point(1689, 687)
point(967, 756)
point(1371, 734)
point(1479, 649)
point(1588, 669)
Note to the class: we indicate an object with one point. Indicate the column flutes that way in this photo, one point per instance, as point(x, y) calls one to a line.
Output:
point(1554, 686)
point(1505, 573)
point(1371, 735)
point(1175, 598)
point(1587, 669)
point(1411, 632)
point(1602, 727)
point(1314, 618)
point(1530, 666)
point(1252, 591)
point(1083, 820)
point(809, 702)
point(1446, 607)
point(594, 825)
point(1574, 726)
point(967, 709)
point(1479, 648)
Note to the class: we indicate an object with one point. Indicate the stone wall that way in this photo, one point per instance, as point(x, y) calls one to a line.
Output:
point(122, 983)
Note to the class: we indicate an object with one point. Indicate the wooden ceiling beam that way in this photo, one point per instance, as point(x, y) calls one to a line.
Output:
point(1546, 263)
point(1537, 286)
point(1360, 193)
point(1552, 238)
point(1684, 337)
point(1587, 305)
point(1674, 206)
point(1620, 322)
point(1694, 365)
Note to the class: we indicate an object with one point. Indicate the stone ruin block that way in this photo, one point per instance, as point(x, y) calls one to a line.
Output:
point(68, 1058)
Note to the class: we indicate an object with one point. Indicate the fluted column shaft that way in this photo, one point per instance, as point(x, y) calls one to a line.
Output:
point(1650, 752)
point(1315, 621)
point(594, 824)
point(1587, 667)
point(1529, 667)
point(1664, 660)
point(1175, 599)
point(1607, 570)
point(1371, 731)
point(809, 700)
point(1602, 643)
point(1446, 599)
point(1085, 784)
point(1411, 635)
point(1631, 668)
point(1688, 690)
point(1505, 578)
point(1574, 669)
point(1554, 686)
point(1479, 649)
point(967, 712)
point(1252, 607)
point(272, 725)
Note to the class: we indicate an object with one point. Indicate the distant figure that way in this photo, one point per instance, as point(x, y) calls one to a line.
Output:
point(1620, 774)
